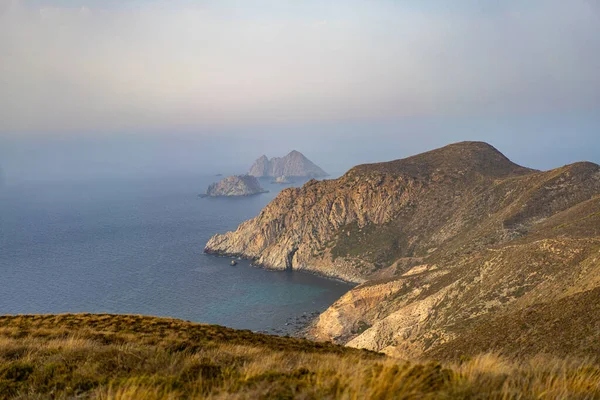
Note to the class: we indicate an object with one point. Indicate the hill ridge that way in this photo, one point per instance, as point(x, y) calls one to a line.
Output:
point(469, 155)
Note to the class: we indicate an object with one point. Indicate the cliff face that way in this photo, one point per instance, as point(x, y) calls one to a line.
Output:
point(240, 185)
point(295, 164)
point(443, 242)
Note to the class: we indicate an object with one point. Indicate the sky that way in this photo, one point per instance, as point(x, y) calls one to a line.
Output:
point(106, 87)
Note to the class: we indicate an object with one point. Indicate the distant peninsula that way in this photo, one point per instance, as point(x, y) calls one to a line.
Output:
point(295, 164)
point(236, 185)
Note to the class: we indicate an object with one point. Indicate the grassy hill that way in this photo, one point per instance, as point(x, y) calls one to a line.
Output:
point(133, 357)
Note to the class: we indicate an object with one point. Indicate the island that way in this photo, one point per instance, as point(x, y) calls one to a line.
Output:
point(236, 185)
point(294, 164)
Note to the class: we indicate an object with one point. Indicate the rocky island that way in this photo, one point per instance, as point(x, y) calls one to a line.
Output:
point(458, 251)
point(295, 164)
point(237, 185)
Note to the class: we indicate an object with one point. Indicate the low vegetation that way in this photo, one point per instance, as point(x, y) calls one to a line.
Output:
point(133, 357)
point(379, 245)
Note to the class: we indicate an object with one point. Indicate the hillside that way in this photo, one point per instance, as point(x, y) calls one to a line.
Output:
point(445, 244)
point(135, 357)
point(294, 164)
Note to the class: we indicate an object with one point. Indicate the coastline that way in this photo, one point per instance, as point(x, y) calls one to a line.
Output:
point(261, 266)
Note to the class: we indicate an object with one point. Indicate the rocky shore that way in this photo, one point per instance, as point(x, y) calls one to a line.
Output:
point(297, 326)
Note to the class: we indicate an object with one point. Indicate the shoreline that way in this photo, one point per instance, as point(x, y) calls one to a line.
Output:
point(304, 270)
point(296, 326)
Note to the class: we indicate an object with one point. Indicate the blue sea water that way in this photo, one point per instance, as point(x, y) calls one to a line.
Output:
point(136, 246)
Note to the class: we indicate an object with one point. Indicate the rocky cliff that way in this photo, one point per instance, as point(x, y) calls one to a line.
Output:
point(295, 164)
point(238, 185)
point(445, 244)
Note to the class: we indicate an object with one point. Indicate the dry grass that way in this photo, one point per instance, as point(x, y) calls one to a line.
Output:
point(133, 357)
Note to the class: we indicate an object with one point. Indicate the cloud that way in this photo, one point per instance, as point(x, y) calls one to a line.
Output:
point(93, 66)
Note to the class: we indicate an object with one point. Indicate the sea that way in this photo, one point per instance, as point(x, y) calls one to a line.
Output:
point(135, 246)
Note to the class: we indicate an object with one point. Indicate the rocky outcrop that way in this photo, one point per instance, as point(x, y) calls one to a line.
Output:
point(238, 185)
point(295, 164)
point(443, 243)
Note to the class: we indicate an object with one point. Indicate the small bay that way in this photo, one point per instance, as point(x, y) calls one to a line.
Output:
point(136, 246)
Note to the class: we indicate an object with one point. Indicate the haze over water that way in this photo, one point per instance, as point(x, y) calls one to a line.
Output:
point(137, 98)
point(136, 246)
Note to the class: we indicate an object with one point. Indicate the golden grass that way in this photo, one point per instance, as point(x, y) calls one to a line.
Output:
point(133, 357)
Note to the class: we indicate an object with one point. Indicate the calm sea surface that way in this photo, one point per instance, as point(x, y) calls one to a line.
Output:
point(136, 247)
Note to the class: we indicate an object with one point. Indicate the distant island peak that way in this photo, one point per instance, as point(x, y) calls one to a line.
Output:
point(294, 164)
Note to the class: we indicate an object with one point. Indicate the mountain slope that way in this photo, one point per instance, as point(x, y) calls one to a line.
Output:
point(354, 226)
point(442, 242)
point(569, 327)
point(294, 164)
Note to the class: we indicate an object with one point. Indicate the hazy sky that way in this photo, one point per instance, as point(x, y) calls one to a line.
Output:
point(113, 85)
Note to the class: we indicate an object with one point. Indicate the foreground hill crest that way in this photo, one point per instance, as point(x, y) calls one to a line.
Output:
point(440, 241)
point(136, 357)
